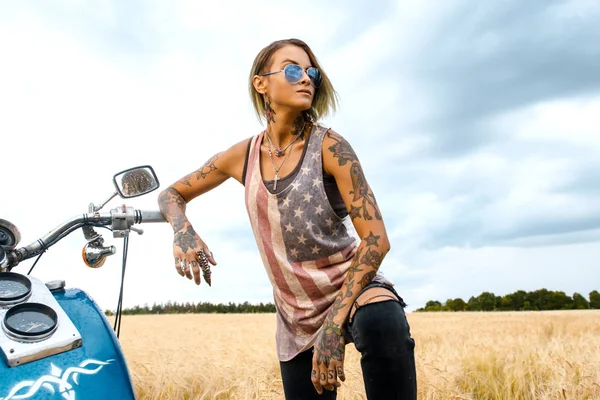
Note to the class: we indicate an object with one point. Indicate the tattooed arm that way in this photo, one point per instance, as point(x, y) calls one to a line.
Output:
point(172, 202)
point(340, 161)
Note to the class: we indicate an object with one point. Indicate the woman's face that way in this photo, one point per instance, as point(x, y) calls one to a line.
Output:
point(298, 96)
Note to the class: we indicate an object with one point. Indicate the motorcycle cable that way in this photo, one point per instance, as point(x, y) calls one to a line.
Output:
point(45, 247)
point(36, 260)
point(119, 312)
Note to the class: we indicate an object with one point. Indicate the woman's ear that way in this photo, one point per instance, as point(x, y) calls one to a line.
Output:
point(259, 84)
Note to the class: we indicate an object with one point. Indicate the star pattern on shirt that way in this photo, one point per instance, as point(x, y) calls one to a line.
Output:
point(310, 228)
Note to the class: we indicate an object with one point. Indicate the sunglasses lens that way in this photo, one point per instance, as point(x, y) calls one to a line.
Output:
point(293, 73)
point(315, 76)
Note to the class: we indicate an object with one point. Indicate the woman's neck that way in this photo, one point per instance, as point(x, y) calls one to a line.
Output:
point(284, 127)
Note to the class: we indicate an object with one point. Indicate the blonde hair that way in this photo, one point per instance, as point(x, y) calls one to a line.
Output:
point(326, 98)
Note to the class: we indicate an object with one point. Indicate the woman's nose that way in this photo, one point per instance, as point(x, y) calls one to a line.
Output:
point(305, 78)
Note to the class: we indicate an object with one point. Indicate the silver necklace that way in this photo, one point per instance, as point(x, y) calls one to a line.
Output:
point(283, 162)
point(279, 151)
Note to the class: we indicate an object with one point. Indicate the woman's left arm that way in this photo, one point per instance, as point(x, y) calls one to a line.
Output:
point(340, 160)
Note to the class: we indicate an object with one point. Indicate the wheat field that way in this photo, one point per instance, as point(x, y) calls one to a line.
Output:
point(500, 356)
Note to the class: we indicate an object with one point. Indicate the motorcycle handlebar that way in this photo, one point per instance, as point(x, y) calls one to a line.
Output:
point(118, 218)
point(151, 216)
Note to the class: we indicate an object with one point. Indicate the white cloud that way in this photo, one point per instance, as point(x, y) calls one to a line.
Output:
point(88, 90)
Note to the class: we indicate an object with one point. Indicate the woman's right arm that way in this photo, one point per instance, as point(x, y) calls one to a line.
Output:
point(172, 202)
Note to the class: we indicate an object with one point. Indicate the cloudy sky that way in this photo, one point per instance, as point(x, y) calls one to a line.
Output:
point(478, 127)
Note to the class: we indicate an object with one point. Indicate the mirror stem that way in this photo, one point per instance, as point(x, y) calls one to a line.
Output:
point(94, 208)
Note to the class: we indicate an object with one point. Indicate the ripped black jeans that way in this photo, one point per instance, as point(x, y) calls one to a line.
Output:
point(381, 334)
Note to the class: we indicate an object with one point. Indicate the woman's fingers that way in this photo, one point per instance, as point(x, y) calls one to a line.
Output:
point(203, 262)
point(178, 266)
point(196, 271)
point(187, 269)
point(332, 374)
point(210, 256)
point(340, 373)
point(323, 377)
point(194, 262)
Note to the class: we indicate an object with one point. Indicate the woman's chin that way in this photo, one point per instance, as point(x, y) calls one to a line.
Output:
point(303, 105)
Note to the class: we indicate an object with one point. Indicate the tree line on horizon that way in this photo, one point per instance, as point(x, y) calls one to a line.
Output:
point(538, 300)
point(520, 300)
point(198, 308)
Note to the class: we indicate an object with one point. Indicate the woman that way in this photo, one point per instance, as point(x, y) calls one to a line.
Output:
point(319, 231)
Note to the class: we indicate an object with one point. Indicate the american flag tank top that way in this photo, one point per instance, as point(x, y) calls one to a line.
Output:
point(305, 247)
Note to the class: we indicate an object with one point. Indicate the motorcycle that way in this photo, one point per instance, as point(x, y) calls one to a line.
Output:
point(55, 342)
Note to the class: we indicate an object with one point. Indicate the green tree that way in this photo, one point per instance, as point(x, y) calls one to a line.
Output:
point(595, 300)
point(473, 304)
point(506, 303)
point(459, 304)
point(487, 301)
point(579, 302)
point(539, 299)
point(559, 301)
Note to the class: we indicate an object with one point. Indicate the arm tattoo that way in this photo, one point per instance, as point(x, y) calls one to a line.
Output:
point(360, 189)
point(372, 258)
point(269, 112)
point(367, 278)
point(372, 240)
point(179, 222)
point(341, 149)
point(186, 180)
point(331, 344)
point(207, 168)
point(186, 240)
point(362, 192)
point(171, 196)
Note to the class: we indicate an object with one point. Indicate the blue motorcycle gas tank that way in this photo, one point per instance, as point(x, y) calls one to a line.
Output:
point(94, 371)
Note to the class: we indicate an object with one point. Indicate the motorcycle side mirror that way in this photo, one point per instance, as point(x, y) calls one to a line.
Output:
point(137, 181)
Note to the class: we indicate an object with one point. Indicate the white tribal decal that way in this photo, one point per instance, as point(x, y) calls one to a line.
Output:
point(56, 376)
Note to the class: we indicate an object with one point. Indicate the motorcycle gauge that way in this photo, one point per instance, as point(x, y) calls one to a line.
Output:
point(30, 322)
point(14, 288)
point(9, 235)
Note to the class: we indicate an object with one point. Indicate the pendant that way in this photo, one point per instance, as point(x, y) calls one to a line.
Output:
point(275, 183)
point(279, 152)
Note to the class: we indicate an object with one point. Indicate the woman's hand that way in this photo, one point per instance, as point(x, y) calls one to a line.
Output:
point(192, 255)
point(328, 358)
